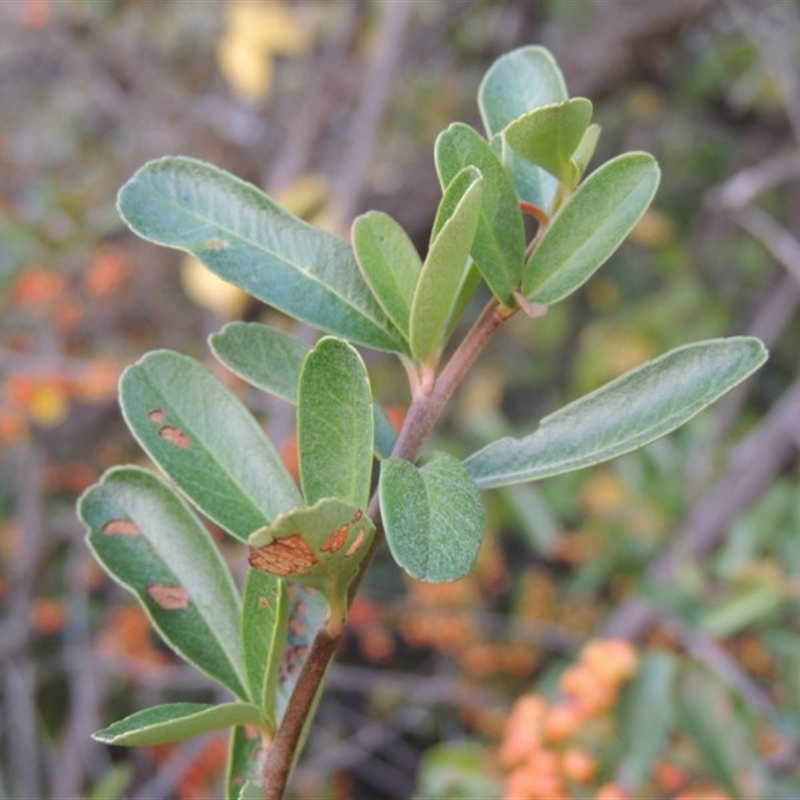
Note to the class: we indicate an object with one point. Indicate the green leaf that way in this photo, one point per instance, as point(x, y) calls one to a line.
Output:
point(518, 82)
point(321, 547)
point(249, 240)
point(747, 607)
point(586, 147)
point(174, 722)
point(499, 245)
point(246, 753)
point(706, 717)
point(204, 438)
point(433, 517)
point(265, 620)
point(149, 541)
point(272, 361)
point(390, 263)
point(446, 266)
point(590, 226)
point(265, 357)
point(625, 414)
point(648, 711)
point(550, 135)
point(334, 424)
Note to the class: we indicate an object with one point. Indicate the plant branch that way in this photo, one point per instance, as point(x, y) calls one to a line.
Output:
point(423, 414)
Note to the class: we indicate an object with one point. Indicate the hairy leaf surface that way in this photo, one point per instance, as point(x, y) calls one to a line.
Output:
point(625, 414)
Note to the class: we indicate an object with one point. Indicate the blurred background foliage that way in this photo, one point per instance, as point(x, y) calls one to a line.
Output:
point(688, 549)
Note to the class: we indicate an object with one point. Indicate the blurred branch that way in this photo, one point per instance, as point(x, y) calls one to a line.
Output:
point(377, 82)
point(616, 41)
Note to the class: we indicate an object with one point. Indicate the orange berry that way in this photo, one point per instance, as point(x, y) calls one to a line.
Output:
point(669, 777)
point(577, 765)
point(523, 730)
point(520, 785)
point(544, 763)
point(613, 661)
point(611, 791)
point(562, 721)
point(578, 680)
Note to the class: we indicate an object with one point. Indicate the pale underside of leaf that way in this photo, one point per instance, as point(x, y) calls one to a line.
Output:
point(272, 360)
point(628, 413)
point(174, 722)
point(433, 517)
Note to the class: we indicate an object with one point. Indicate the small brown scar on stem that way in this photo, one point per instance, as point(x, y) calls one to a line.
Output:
point(157, 416)
point(353, 549)
point(121, 527)
point(168, 597)
point(175, 436)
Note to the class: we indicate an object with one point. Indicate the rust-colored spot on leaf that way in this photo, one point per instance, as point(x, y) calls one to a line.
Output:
point(216, 244)
point(169, 597)
point(157, 416)
point(353, 549)
point(357, 516)
point(336, 540)
point(263, 603)
point(175, 436)
point(289, 555)
point(121, 527)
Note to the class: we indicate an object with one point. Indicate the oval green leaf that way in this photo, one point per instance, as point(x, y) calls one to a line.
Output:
point(625, 414)
point(265, 357)
point(272, 360)
point(549, 136)
point(446, 266)
point(321, 547)
point(264, 627)
point(433, 517)
point(174, 722)
point(148, 540)
point(204, 438)
point(249, 240)
point(499, 245)
point(335, 431)
point(590, 226)
point(390, 263)
point(517, 83)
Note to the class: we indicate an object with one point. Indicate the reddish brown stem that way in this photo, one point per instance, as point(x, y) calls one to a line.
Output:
point(425, 410)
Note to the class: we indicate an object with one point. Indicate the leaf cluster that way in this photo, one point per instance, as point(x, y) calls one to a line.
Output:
point(376, 293)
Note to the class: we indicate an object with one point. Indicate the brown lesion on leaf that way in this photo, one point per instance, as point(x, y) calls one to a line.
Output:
point(288, 555)
point(157, 416)
point(356, 546)
point(175, 436)
point(336, 540)
point(216, 244)
point(168, 596)
point(121, 527)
